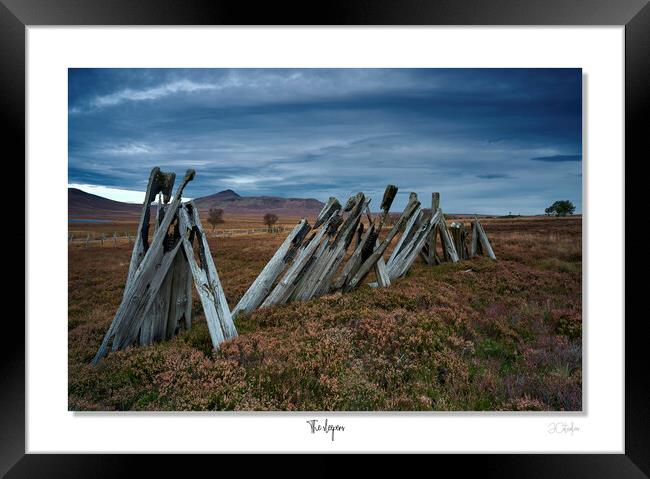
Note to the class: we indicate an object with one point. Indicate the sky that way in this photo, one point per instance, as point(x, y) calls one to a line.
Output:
point(491, 141)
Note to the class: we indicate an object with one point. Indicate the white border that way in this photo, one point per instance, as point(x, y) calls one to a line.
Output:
point(599, 51)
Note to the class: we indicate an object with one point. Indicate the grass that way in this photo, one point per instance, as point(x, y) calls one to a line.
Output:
point(476, 335)
point(129, 225)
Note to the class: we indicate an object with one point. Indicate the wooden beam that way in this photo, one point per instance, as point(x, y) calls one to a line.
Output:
point(322, 274)
point(306, 283)
point(287, 284)
point(142, 298)
point(381, 271)
point(406, 236)
point(363, 249)
point(369, 263)
point(265, 280)
point(485, 243)
point(180, 306)
point(356, 258)
point(158, 182)
point(146, 280)
point(410, 252)
point(331, 207)
point(446, 239)
point(206, 278)
point(435, 202)
point(473, 250)
point(457, 230)
point(154, 324)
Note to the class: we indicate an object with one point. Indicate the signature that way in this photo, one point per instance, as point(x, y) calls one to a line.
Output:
point(562, 428)
point(326, 427)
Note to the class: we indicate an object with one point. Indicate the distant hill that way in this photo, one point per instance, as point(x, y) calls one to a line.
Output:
point(82, 204)
point(87, 205)
point(225, 195)
point(233, 203)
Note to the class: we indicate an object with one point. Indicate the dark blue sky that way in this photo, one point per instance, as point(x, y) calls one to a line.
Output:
point(489, 140)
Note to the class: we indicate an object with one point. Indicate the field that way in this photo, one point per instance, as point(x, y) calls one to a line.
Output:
point(475, 335)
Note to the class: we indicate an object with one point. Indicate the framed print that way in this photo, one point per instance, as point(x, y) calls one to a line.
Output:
point(404, 231)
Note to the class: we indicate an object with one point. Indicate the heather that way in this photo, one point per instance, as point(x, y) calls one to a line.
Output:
point(475, 335)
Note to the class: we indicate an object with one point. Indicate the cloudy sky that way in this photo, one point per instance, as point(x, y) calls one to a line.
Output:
point(489, 140)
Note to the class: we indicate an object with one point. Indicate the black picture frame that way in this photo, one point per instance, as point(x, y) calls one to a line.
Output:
point(15, 15)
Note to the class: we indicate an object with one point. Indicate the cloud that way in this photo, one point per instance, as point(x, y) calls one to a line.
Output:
point(250, 87)
point(318, 133)
point(155, 93)
point(493, 176)
point(126, 149)
point(558, 158)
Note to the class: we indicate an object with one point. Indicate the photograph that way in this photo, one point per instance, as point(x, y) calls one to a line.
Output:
point(368, 228)
point(325, 239)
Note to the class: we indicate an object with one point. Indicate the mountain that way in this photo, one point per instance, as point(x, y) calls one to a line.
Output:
point(232, 203)
point(224, 195)
point(82, 204)
point(87, 205)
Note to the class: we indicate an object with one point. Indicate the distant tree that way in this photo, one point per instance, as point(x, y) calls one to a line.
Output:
point(560, 208)
point(270, 219)
point(215, 217)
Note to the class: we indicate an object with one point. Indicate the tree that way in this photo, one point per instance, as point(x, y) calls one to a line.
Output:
point(270, 219)
point(560, 208)
point(215, 217)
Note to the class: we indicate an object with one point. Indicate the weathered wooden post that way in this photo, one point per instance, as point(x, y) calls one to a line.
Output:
point(159, 182)
point(458, 235)
point(475, 245)
point(149, 272)
point(483, 239)
point(431, 256)
point(410, 251)
point(411, 207)
point(264, 281)
point(206, 278)
point(296, 272)
point(447, 242)
point(157, 297)
point(405, 238)
point(368, 242)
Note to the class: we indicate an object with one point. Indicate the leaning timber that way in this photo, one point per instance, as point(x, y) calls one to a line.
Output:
point(264, 282)
point(459, 237)
point(407, 235)
point(141, 290)
point(430, 247)
point(448, 243)
point(370, 262)
point(306, 283)
point(328, 264)
point(280, 294)
point(180, 296)
point(483, 239)
point(157, 300)
point(206, 279)
point(159, 182)
point(405, 259)
point(311, 262)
